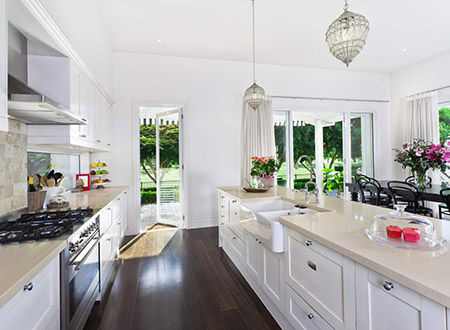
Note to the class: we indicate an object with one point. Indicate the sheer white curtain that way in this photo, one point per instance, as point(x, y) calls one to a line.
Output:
point(258, 138)
point(422, 121)
point(422, 118)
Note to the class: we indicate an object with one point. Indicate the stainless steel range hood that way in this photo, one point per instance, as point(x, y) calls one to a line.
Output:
point(25, 102)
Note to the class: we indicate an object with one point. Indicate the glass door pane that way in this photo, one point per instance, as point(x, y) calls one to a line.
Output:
point(168, 170)
point(361, 135)
point(281, 128)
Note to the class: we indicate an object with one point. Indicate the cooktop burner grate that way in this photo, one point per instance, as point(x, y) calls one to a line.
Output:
point(43, 225)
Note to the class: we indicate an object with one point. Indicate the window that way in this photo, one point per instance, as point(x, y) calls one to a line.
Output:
point(42, 163)
point(327, 138)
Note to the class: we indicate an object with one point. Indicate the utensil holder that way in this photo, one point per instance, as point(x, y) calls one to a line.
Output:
point(36, 200)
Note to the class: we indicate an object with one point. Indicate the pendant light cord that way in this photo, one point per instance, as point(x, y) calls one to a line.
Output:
point(253, 17)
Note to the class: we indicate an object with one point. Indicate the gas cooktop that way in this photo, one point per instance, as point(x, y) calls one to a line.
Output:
point(42, 225)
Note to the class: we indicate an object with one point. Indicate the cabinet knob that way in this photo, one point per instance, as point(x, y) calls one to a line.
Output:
point(308, 243)
point(234, 237)
point(388, 286)
point(221, 223)
point(259, 242)
point(310, 316)
point(28, 287)
point(256, 239)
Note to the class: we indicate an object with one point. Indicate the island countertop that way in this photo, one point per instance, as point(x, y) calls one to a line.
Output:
point(21, 262)
point(340, 225)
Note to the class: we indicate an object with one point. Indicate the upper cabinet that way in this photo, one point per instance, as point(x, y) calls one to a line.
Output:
point(3, 67)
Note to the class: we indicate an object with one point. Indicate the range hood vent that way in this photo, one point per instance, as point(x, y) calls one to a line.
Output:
point(25, 103)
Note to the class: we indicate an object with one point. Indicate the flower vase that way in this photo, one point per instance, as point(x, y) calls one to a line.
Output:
point(420, 178)
point(268, 181)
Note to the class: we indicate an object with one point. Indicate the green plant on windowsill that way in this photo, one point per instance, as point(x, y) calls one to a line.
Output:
point(333, 182)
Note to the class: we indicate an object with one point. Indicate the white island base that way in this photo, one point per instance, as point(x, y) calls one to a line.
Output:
point(313, 286)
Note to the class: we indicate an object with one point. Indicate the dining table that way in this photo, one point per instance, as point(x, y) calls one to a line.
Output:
point(430, 193)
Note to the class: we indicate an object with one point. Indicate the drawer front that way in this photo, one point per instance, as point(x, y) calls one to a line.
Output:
point(236, 245)
point(300, 314)
point(105, 220)
point(325, 281)
point(36, 308)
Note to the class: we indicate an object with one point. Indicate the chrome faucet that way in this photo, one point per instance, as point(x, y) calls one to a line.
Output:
point(315, 191)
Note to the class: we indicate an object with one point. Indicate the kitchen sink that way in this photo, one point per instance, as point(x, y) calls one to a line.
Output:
point(267, 215)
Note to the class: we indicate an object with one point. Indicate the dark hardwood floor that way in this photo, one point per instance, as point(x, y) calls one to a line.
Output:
point(189, 285)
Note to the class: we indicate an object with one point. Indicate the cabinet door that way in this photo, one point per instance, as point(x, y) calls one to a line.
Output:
point(106, 257)
point(382, 303)
point(272, 276)
point(106, 220)
point(93, 112)
point(253, 256)
point(85, 102)
point(3, 66)
point(74, 89)
point(38, 306)
point(108, 125)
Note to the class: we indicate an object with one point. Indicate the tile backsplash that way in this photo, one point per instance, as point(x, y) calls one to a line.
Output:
point(13, 168)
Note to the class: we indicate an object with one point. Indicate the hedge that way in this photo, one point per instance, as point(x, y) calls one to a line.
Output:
point(148, 197)
point(298, 183)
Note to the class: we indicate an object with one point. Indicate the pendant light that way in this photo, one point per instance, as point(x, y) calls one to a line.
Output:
point(254, 95)
point(347, 35)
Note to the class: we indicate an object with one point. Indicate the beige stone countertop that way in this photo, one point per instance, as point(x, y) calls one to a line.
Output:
point(340, 225)
point(21, 262)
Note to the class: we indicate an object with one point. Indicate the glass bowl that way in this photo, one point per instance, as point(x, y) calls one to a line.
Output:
point(404, 230)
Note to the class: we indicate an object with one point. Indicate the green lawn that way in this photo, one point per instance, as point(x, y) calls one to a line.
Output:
point(301, 172)
point(171, 175)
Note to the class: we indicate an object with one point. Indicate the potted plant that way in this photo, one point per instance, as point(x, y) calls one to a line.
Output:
point(421, 156)
point(266, 169)
point(333, 182)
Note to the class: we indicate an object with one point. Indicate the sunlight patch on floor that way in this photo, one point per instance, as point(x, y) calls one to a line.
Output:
point(147, 244)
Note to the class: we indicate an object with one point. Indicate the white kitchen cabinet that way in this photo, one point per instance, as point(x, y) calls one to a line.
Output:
point(37, 305)
point(253, 256)
point(3, 66)
point(106, 219)
point(385, 304)
point(272, 275)
point(301, 315)
point(107, 255)
point(87, 102)
point(323, 278)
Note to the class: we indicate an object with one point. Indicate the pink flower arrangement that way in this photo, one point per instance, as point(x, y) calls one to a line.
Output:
point(421, 156)
point(265, 167)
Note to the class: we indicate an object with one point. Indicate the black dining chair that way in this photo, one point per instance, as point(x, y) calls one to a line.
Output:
point(412, 180)
point(445, 209)
point(407, 194)
point(370, 190)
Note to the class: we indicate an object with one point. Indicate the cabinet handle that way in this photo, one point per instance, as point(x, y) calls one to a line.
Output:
point(83, 119)
point(308, 243)
point(310, 316)
point(259, 242)
point(256, 239)
point(388, 286)
point(28, 287)
point(234, 201)
point(109, 144)
point(221, 223)
point(234, 237)
point(108, 239)
point(83, 135)
point(99, 141)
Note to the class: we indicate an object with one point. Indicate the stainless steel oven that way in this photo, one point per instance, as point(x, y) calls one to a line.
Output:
point(80, 276)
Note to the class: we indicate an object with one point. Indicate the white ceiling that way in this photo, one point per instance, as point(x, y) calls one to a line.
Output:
point(289, 32)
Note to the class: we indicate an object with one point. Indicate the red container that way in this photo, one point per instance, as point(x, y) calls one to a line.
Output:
point(411, 234)
point(394, 231)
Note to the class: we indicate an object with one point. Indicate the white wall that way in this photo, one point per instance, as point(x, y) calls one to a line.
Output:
point(212, 91)
point(426, 75)
point(81, 24)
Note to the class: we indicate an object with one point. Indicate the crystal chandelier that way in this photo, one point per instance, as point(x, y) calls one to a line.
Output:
point(254, 95)
point(347, 35)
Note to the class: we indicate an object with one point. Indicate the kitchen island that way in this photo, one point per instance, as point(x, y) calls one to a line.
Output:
point(330, 275)
point(22, 264)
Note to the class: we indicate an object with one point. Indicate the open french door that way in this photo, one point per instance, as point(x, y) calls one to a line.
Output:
point(169, 167)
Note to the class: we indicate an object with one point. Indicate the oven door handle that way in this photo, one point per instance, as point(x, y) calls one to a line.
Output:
point(79, 264)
